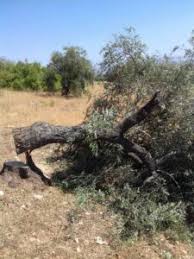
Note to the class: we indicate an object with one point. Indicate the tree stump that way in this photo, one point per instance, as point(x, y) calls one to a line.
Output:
point(16, 166)
point(24, 171)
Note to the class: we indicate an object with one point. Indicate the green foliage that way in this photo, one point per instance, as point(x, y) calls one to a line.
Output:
point(103, 121)
point(144, 214)
point(68, 71)
point(21, 75)
point(52, 80)
point(85, 196)
point(123, 59)
point(6, 74)
point(140, 212)
point(27, 76)
point(74, 68)
point(130, 71)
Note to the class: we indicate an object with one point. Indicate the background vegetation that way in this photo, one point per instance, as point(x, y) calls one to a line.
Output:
point(68, 71)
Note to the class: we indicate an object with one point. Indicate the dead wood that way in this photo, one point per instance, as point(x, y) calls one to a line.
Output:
point(13, 170)
point(16, 166)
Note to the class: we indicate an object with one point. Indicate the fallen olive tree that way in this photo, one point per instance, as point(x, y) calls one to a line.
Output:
point(40, 133)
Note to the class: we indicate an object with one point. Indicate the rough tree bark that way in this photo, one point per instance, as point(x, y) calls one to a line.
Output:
point(40, 133)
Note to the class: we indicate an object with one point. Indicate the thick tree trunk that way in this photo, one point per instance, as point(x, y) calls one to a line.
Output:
point(40, 134)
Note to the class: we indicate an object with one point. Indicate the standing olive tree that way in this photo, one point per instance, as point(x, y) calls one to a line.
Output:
point(74, 69)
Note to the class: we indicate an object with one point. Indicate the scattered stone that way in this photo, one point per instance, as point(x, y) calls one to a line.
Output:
point(12, 184)
point(76, 240)
point(38, 196)
point(32, 239)
point(78, 249)
point(100, 241)
point(17, 158)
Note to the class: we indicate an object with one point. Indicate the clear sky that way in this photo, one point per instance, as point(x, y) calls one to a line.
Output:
point(33, 29)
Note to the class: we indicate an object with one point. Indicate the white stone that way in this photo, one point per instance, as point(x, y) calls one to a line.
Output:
point(78, 249)
point(100, 241)
point(1, 193)
point(38, 196)
point(76, 240)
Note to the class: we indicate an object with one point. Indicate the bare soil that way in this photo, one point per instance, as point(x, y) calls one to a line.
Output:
point(37, 221)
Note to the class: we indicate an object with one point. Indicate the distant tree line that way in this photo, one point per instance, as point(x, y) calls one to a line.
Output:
point(68, 71)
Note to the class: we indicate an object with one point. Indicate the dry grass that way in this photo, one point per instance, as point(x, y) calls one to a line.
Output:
point(51, 226)
point(24, 108)
point(42, 222)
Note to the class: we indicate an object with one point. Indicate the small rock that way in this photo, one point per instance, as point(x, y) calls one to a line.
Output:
point(12, 184)
point(100, 241)
point(76, 240)
point(38, 196)
point(1, 193)
point(78, 249)
point(32, 239)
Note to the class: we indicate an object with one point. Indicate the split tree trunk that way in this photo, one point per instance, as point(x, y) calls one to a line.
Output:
point(41, 134)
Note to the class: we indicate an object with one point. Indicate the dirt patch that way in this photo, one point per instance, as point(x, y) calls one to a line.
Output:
point(157, 248)
point(45, 223)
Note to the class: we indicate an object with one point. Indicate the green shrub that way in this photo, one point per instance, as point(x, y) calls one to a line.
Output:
point(142, 213)
point(52, 80)
point(6, 73)
point(21, 75)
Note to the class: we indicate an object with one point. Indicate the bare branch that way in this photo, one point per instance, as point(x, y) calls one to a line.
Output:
point(139, 116)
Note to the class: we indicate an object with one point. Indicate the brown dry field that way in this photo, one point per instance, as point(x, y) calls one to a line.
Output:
point(37, 221)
